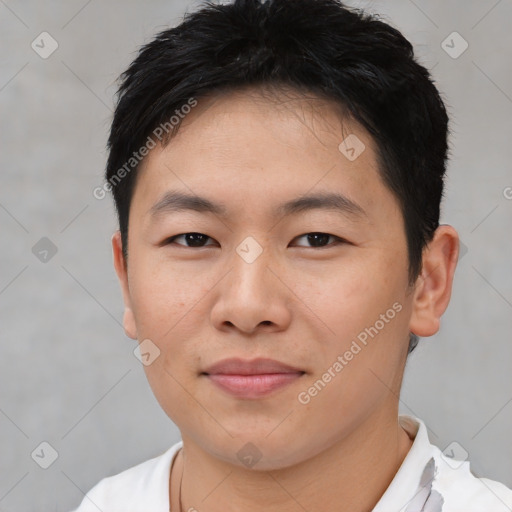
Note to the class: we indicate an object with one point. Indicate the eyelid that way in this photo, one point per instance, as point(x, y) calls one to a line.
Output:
point(170, 240)
point(337, 240)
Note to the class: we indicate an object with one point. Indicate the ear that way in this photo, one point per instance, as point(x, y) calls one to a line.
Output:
point(433, 288)
point(122, 273)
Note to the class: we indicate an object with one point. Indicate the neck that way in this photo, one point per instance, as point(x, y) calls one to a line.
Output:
point(351, 475)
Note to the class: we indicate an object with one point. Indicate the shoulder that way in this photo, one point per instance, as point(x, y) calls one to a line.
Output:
point(135, 488)
point(462, 491)
point(429, 480)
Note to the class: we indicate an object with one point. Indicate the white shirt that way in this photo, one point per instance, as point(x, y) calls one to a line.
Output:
point(427, 481)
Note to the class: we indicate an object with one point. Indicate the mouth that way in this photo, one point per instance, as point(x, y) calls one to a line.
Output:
point(251, 379)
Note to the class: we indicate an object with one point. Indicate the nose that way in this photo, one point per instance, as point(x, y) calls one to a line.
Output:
point(252, 297)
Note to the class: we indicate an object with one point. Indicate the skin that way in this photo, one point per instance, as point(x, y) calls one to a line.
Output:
point(297, 303)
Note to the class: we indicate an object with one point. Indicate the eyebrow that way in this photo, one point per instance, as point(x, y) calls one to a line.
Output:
point(174, 201)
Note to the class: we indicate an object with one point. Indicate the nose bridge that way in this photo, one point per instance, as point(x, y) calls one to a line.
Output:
point(250, 263)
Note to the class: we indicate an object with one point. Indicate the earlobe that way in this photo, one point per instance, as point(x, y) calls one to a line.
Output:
point(120, 266)
point(434, 285)
point(129, 324)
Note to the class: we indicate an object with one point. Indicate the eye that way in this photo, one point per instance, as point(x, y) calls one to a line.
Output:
point(197, 240)
point(194, 239)
point(319, 240)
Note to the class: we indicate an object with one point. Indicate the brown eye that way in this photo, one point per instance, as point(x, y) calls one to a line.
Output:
point(319, 240)
point(191, 239)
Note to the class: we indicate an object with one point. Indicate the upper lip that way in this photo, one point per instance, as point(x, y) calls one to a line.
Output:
point(259, 366)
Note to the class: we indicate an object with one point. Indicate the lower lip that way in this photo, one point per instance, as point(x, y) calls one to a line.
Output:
point(253, 386)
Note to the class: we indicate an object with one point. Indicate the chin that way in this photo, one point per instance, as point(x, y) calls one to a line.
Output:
point(257, 451)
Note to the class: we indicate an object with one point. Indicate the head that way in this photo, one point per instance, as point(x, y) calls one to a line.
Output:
point(313, 148)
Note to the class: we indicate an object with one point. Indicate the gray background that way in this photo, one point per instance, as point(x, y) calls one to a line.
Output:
point(68, 373)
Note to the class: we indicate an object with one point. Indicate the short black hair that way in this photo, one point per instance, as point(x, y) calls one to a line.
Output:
point(321, 47)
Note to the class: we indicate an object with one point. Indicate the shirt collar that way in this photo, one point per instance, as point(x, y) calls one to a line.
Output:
point(406, 482)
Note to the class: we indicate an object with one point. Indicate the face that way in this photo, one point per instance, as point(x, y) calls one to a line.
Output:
point(321, 286)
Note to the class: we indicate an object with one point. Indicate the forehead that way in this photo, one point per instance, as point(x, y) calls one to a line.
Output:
point(286, 115)
point(255, 146)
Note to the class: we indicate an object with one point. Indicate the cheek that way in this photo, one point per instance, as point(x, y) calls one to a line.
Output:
point(363, 303)
point(346, 297)
point(164, 295)
point(169, 310)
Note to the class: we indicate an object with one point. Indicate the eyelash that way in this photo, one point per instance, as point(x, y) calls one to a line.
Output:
point(337, 239)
